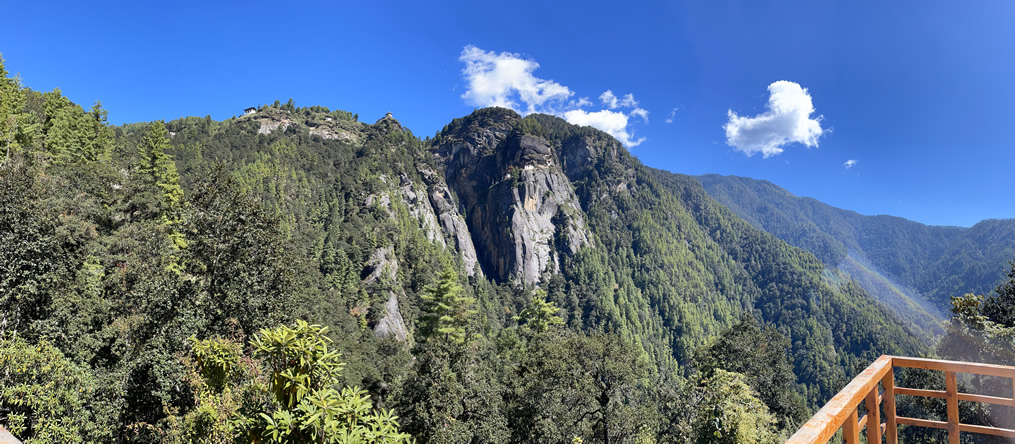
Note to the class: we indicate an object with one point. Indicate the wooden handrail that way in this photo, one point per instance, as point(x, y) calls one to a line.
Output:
point(842, 406)
point(841, 411)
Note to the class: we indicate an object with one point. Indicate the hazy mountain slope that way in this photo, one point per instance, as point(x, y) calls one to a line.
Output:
point(924, 262)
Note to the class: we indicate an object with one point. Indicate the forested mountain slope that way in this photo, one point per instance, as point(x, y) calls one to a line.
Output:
point(508, 280)
point(668, 264)
point(893, 258)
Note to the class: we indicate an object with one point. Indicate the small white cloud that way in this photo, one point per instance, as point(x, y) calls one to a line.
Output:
point(640, 112)
point(849, 163)
point(612, 102)
point(673, 113)
point(583, 102)
point(501, 79)
point(507, 80)
point(608, 99)
point(788, 120)
point(612, 122)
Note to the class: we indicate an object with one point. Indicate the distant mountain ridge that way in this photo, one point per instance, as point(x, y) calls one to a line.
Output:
point(900, 261)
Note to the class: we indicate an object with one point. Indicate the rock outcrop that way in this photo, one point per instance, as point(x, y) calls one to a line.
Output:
point(519, 205)
point(382, 276)
point(392, 323)
point(451, 221)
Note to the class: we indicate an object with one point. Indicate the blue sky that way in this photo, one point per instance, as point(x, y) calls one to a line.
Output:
point(918, 94)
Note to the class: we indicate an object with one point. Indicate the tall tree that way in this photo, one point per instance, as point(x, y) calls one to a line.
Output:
point(35, 260)
point(15, 129)
point(730, 414)
point(760, 354)
point(1000, 306)
point(238, 252)
point(571, 385)
point(157, 166)
point(540, 315)
point(446, 308)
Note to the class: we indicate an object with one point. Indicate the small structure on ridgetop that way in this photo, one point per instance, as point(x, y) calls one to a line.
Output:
point(250, 110)
point(388, 115)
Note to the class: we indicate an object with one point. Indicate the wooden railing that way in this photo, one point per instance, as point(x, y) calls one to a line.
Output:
point(842, 410)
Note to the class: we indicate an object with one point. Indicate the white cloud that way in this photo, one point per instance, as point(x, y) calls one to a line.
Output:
point(582, 102)
point(612, 122)
point(849, 163)
point(673, 113)
point(788, 120)
point(640, 112)
point(612, 102)
point(497, 79)
point(506, 80)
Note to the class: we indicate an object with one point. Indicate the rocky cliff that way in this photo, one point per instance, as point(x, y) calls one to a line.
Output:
point(519, 205)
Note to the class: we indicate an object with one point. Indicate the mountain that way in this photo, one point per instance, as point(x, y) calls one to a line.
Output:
point(914, 268)
point(617, 245)
point(126, 249)
point(535, 201)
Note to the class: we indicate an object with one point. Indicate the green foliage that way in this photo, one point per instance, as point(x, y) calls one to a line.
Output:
point(156, 165)
point(571, 384)
point(446, 309)
point(74, 136)
point(239, 254)
point(999, 308)
point(760, 355)
point(44, 397)
point(730, 413)
point(302, 373)
point(453, 395)
point(298, 359)
point(540, 315)
point(974, 336)
point(34, 258)
point(16, 126)
point(217, 359)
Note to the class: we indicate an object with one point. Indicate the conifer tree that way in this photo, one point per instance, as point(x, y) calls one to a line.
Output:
point(101, 147)
point(157, 166)
point(157, 169)
point(540, 315)
point(14, 123)
point(445, 308)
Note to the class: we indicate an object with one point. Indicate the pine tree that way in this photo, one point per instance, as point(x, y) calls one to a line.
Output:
point(158, 170)
point(101, 147)
point(14, 123)
point(445, 308)
point(540, 315)
point(157, 166)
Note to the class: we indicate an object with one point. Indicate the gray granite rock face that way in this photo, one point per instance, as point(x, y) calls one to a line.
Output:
point(519, 205)
point(415, 198)
point(383, 276)
point(392, 323)
point(451, 221)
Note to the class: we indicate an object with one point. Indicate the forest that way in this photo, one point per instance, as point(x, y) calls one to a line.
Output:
point(296, 275)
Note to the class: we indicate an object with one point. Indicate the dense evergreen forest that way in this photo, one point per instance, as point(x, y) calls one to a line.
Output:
point(296, 275)
point(912, 267)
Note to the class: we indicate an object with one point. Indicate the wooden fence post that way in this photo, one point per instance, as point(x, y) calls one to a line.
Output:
point(873, 416)
point(891, 428)
point(951, 388)
point(851, 428)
